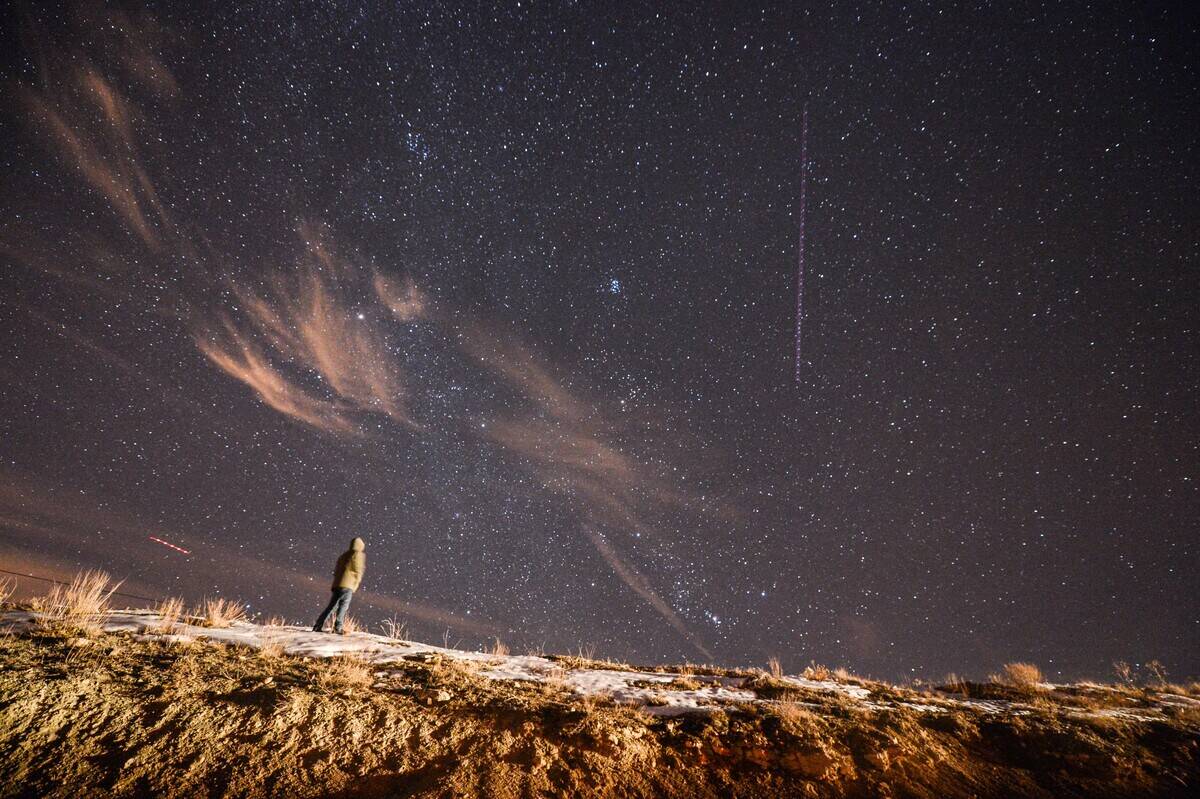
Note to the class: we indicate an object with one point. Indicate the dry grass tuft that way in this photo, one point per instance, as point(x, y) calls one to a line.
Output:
point(1124, 672)
point(458, 667)
point(1157, 673)
point(498, 649)
point(555, 679)
point(585, 659)
point(270, 640)
point(794, 716)
point(76, 609)
point(394, 628)
point(594, 702)
point(220, 612)
point(815, 671)
point(352, 625)
point(169, 611)
point(955, 684)
point(341, 674)
point(1021, 675)
point(270, 645)
point(775, 668)
point(7, 587)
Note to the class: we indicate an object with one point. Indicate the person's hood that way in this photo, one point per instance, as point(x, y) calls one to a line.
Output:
point(357, 545)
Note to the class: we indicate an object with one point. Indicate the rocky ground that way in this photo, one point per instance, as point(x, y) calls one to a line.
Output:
point(142, 706)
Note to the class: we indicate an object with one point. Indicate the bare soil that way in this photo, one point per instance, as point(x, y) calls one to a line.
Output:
point(112, 716)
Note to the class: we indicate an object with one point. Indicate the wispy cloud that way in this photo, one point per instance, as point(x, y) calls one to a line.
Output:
point(567, 436)
point(566, 439)
point(303, 347)
point(135, 40)
point(118, 178)
point(240, 357)
point(90, 125)
point(641, 586)
point(402, 297)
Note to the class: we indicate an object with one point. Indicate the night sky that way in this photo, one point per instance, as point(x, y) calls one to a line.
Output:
point(511, 294)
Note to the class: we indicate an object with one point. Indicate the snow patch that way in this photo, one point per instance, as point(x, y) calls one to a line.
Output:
point(656, 692)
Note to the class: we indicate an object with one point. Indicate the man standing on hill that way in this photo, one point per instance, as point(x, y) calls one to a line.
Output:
point(346, 577)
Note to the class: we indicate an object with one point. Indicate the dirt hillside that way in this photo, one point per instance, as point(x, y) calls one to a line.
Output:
point(112, 715)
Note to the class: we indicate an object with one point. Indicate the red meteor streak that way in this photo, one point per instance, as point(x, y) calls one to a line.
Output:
point(169, 544)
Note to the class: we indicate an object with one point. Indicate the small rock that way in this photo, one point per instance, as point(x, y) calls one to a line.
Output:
point(878, 760)
point(719, 749)
point(757, 755)
point(433, 696)
point(813, 764)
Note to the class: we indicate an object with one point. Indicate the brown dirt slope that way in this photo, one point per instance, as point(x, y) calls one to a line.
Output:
point(112, 716)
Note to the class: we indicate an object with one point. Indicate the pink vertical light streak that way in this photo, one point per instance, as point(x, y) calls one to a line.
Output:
point(800, 254)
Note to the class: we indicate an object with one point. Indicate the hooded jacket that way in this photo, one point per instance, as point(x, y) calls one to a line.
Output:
point(350, 566)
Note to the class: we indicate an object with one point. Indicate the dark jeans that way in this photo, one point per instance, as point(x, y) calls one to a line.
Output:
point(339, 602)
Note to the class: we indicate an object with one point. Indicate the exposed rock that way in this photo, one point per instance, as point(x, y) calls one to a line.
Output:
point(758, 756)
point(718, 748)
point(433, 696)
point(814, 764)
point(879, 759)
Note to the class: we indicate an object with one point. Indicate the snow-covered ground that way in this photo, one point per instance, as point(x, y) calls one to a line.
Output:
point(654, 690)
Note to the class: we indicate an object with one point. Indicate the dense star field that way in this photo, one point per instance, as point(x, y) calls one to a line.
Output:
point(510, 294)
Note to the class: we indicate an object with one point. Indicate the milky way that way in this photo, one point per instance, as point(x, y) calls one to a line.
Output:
point(508, 292)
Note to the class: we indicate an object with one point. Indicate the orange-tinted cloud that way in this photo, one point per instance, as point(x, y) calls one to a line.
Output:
point(102, 154)
point(503, 352)
point(136, 41)
point(132, 43)
point(403, 298)
point(641, 586)
point(91, 125)
point(564, 437)
point(241, 358)
point(304, 349)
